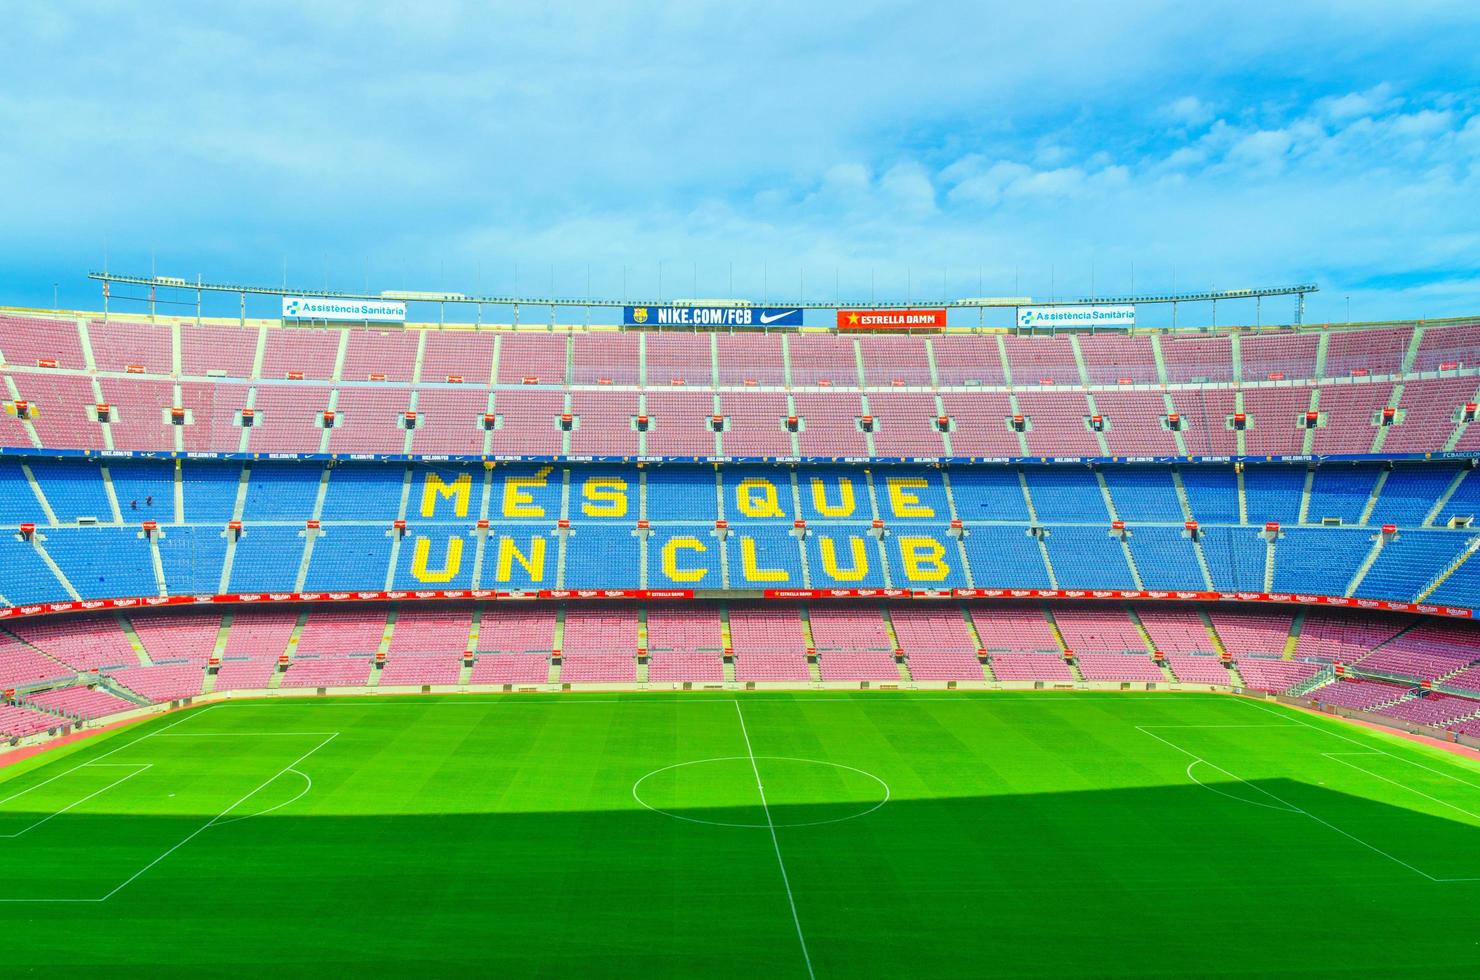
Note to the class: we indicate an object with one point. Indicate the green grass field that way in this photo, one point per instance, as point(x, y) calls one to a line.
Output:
point(774, 834)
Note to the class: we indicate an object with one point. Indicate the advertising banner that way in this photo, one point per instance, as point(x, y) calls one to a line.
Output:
point(1076, 316)
point(891, 319)
point(328, 308)
point(711, 316)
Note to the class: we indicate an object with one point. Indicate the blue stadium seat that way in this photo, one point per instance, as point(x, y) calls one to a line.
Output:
point(1235, 558)
point(281, 492)
point(1212, 493)
point(1143, 493)
point(1340, 490)
point(143, 481)
point(1319, 560)
point(682, 493)
point(1065, 495)
point(369, 492)
point(1165, 558)
point(346, 557)
point(104, 562)
point(1088, 558)
point(18, 503)
point(925, 559)
point(1410, 561)
point(210, 490)
point(266, 558)
point(1005, 557)
point(1273, 492)
point(602, 556)
point(74, 488)
point(26, 578)
point(989, 494)
point(1410, 493)
point(192, 559)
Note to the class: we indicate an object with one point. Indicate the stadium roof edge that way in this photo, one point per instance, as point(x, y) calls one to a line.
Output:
point(199, 286)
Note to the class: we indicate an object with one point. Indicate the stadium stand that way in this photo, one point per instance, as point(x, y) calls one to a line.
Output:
point(875, 463)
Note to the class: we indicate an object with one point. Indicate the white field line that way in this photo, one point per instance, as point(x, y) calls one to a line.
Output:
point(94, 762)
point(1337, 757)
point(1294, 716)
point(1295, 809)
point(307, 786)
point(136, 767)
point(214, 820)
point(775, 842)
point(1197, 759)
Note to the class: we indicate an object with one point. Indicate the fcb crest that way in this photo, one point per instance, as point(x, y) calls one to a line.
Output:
point(639, 314)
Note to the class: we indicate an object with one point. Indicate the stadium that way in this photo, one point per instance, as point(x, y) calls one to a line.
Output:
point(728, 577)
point(702, 489)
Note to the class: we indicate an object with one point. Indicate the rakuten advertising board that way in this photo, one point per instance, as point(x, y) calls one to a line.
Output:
point(1076, 316)
point(329, 308)
point(891, 319)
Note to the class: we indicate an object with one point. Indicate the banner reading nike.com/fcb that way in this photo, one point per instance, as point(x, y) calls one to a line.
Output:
point(891, 319)
point(711, 316)
point(1076, 316)
point(329, 308)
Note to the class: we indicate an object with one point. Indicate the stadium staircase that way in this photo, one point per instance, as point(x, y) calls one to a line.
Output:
point(726, 643)
point(135, 644)
point(1324, 676)
point(1411, 354)
point(1135, 617)
point(383, 648)
point(1292, 641)
point(642, 644)
point(1443, 501)
point(46, 509)
point(1372, 498)
point(1303, 515)
point(27, 426)
point(237, 510)
point(557, 642)
point(1460, 427)
point(1378, 542)
point(1308, 435)
point(1323, 346)
point(1379, 436)
point(902, 663)
point(1053, 579)
point(1454, 566)
point(976, 638)
point(470, 648)
point(50, 562)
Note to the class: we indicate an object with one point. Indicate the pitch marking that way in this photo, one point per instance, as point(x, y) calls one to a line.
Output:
point(775, 842)
point(136, 767)
point(759, 826)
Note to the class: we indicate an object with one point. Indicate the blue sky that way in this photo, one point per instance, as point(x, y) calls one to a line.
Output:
point(786, 148)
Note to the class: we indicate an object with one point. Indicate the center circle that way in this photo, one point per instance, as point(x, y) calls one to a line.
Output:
point(730, 791)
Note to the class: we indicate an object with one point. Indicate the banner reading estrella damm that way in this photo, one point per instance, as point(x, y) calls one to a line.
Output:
point(711, 316)
point(891, 319)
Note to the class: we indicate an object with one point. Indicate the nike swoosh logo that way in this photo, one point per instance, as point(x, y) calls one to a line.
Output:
point(776, 316)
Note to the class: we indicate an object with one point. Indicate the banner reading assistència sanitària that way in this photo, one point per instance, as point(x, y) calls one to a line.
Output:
point(711, 316)
point(330, 308)
point(1076, 316)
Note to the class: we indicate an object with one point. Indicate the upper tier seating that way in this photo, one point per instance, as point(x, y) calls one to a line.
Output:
point(186, 388)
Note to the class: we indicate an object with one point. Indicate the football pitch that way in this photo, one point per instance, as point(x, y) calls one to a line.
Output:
point(772, 834)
